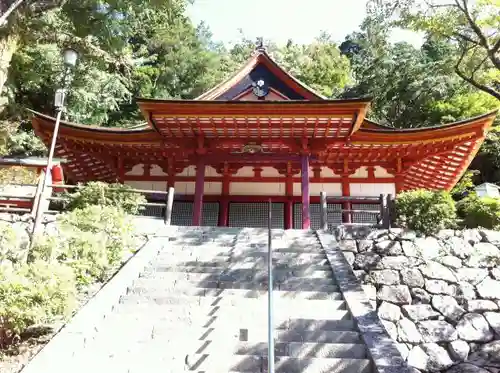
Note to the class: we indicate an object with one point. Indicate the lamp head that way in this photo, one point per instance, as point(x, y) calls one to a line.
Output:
point(70, 57)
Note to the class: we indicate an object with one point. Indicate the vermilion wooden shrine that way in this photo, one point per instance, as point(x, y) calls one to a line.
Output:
point(263, 134)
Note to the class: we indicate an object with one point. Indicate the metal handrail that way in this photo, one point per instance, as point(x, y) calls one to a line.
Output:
point(270, 331)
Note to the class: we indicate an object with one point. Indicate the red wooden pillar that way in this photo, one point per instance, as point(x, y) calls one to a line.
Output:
point(399, 176)
point(346, 192)
point(398, 183)
point(121, 170)
point(198, 192)
point(306, 215)
point(289, 195)
point(224, 202)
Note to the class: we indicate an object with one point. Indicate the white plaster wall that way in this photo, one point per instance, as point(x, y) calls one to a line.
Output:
point(138, 169)
point(191, 171)
point(159, 185)
point(188, 171)
point(157, 170)
point(371, 189)
point(382, 172)
point(213, 188)
point(147, 185)
point(184, 187)
point(328, 172)
point(210, 171)
point(270, 172)
point(257, 189)
point(331, 189)
point(245, 171)
point(361, 172)
point(311, 173)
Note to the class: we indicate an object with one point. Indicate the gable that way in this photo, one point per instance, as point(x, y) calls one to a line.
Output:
point(273, 95)
point(260, 72)
point(261, 67)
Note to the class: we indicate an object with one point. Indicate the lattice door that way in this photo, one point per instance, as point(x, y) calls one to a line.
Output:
point(255, 215)
point(182, 213)
point(333, 213)
point(363, 217)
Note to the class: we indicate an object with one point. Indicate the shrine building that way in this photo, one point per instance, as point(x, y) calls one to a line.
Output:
point(261, 135)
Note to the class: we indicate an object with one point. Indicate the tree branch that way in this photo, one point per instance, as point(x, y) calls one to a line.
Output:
point(477, 30)
point(12, 7)
point(472, 81)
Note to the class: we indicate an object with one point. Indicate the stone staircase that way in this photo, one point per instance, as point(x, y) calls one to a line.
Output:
point(195, 299)
point(201, 305)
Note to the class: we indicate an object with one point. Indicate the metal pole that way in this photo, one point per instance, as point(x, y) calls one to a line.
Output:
point(324, 211)
point(39, 212)
point(169, 206)
point(270, 350)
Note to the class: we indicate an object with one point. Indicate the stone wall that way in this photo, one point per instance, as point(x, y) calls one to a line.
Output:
point(438, 297)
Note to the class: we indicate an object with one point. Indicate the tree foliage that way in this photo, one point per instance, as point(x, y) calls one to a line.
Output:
point(140, 48)
point(472, 27)
point(425, 211)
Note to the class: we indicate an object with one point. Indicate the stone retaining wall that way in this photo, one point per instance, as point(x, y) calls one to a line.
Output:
point(438, 297)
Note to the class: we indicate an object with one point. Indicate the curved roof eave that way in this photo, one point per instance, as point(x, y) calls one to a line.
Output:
point(381, 128)
point(91, 128)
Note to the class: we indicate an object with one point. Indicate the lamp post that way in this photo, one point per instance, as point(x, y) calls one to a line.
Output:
point(70, 57)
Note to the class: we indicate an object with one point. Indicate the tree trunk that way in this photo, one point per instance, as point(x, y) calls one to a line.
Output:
point(8, 46)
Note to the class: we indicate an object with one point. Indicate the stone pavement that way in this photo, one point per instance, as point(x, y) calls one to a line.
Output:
point(194, 299)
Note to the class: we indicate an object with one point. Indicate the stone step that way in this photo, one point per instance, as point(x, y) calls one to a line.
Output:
point(232, 333)
point(252, 363)
point(144, 287)
point(240, 275)
point(226, 346)
point(203, 268)
point(336, 320)
point(309, 272)
point(294, 349)
point(225, 261)
point(288, 285)
point(290, 248)
point(228, 331)
point(157, 282)
point(235, 254)
point(227, 300)
point(138, 303)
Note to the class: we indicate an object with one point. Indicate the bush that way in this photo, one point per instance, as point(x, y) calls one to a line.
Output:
point(102, 194)
point(9, 242)
point(425, 211)
point(38, 292)
point(480, 212)
point(92, 241)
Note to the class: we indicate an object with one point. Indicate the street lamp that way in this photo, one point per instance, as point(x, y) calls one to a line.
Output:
point(70, 57)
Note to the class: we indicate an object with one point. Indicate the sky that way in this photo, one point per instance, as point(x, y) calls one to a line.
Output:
point(280, 20)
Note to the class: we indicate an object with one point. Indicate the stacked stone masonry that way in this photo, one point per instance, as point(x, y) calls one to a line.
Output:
point(199, 303)
point(438, 297)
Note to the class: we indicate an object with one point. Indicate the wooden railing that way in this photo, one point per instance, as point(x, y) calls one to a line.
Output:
point(167, 204)
point(16, 202)
point(382, 214)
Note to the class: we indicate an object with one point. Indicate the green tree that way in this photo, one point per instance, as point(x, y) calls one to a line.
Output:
point(127, 49)
point(473, 27)
point(410, 86)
